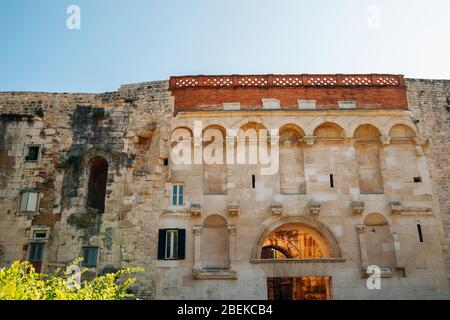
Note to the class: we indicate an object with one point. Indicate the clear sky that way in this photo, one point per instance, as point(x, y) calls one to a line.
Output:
point(142, 40)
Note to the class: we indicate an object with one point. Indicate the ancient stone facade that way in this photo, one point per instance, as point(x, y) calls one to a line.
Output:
point(363, 179)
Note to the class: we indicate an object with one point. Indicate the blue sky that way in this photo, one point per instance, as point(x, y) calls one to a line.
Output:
point(141, 40)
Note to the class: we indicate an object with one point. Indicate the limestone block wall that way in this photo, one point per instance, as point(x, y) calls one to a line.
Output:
point(132, 127)
point(429, 102)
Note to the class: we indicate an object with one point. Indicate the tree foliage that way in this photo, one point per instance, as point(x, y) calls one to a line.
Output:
point(20, 281)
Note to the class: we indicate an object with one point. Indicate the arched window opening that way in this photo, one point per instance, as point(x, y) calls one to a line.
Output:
point(380, 243)
point(295, 241)
point(98, 176)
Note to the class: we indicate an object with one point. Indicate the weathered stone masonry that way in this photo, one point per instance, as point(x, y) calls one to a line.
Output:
point(131, 129)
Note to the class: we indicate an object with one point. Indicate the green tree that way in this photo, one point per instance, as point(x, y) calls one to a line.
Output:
point(20, 281)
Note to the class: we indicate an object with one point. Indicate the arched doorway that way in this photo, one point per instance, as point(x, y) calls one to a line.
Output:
point(298, 242)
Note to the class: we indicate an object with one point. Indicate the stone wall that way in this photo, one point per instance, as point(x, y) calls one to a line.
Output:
point(429, 101)
point(131, 129)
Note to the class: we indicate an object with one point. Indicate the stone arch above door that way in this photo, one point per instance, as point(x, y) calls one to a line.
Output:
point(308, 222)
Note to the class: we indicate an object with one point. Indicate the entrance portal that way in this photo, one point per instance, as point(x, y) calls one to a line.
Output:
point(304, 288)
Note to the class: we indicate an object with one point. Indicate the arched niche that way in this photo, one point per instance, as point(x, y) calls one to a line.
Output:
point(329, 131)
point(214, 160)
point(291, 161)
point(215, 244)
point(379, 241)
point(367, 150)
point(97, 180)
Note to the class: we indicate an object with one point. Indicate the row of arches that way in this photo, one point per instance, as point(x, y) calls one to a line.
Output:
point(321, 129)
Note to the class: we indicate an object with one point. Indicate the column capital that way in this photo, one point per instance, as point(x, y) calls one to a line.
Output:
point(197, 229)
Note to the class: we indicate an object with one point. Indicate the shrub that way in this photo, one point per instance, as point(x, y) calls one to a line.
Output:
point(20, 281)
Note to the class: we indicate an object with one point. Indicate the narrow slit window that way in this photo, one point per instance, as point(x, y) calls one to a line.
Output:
point(419, 231)
point(253, 181)
point(331, 181)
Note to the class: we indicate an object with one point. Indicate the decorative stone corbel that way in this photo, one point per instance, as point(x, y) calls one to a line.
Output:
point(233, 208)
point(385, 139)
point(277, 209)
point(396, 207)
point(196, 209)
point(314, 208)
point(309, 140)
point(357, 207)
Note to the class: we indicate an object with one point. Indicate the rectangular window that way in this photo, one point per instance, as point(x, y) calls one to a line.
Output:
point(253, 181)
point(165, 162)
point(90, 255)
point(171, 244)
point(177, 194)
point(331, 181)
point(32, 153)
point(40, 235)
point(29, 201)
point(36, 252)
point(417, 179)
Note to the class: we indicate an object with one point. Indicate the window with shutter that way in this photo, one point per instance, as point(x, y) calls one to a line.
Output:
point(90, 255)
point(171, 244)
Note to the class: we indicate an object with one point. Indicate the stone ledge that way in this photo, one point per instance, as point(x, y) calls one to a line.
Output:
point(214, 274)
point(281, 261)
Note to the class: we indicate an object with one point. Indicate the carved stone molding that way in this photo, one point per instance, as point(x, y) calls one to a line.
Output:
point(232, 230)
point(385, 139)
point(357, 207)
point(209, 274)
point(277, 209)
point(196, 209)
point(398, 209)
point(233, 208)
point(360, 228)
point(314, 208)
point(384, 273)
point(309, 140)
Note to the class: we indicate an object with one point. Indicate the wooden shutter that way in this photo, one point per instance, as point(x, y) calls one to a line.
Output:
point(161, 244)
point(181, 244)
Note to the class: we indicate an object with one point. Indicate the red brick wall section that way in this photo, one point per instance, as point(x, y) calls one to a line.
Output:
point(193, 93)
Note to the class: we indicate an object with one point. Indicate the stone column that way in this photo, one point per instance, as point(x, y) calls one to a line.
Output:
point(197, 247)
point(360, 228)
point(232, 245)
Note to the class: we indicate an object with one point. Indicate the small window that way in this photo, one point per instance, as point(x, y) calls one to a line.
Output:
point(253, 181)
point(331, 181)
point(171, 244)
point(36, 252)
point(29, 201)
point(90, 255)
point(32, 153)
point(417, 179)
point(166, 162)
point(40, 235)
point(177, 194)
